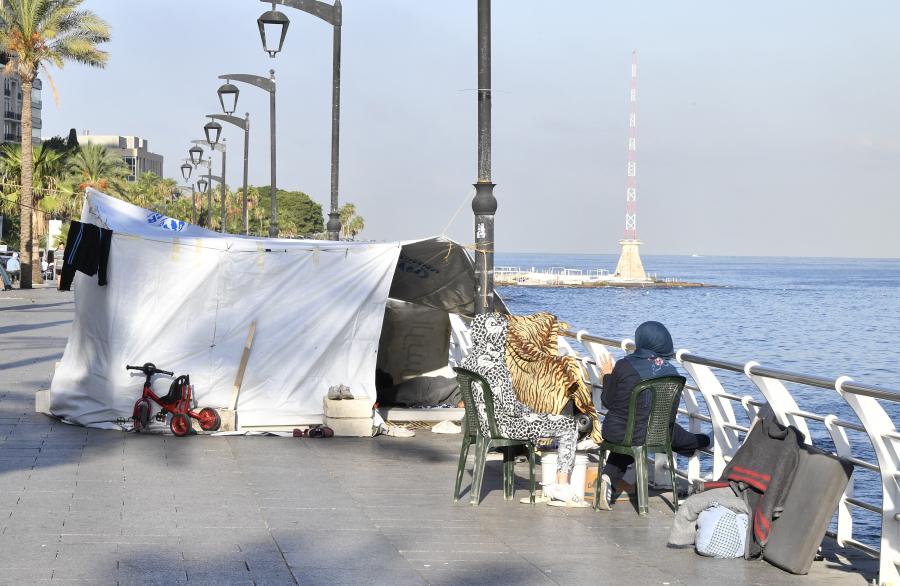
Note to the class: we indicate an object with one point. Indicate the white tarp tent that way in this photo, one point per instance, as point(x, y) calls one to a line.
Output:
point(183, 297)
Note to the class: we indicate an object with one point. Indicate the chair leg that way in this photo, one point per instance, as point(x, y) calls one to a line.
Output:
point(531, 470)
point(640, 472)
point(674, 479)
point(463, 456)
point(509, 473)
point(482, 445)
point(598, 482)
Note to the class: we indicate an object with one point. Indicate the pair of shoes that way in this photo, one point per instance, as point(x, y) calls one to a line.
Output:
point(605, 493)
point(317, 430)
point(338, 392)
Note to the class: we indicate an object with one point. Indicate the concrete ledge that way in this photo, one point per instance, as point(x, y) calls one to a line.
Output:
point(400, 414)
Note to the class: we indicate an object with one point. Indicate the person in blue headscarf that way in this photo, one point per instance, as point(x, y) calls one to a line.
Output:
point(650, 359)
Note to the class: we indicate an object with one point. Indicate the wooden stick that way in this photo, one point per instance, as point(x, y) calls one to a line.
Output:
point(240, 373)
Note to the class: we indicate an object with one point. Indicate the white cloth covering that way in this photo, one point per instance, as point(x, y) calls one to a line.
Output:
point(183, 298)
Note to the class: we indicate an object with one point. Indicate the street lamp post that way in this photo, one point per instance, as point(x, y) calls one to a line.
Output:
point(333, 15)
point(228, 97)
point(221, 148)
point(267, 84)
point(484, 204)
point(186, 173)
point(197, 159)
point(193, 201)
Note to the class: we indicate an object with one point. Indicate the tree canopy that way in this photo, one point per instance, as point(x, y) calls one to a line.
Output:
point(294, 207)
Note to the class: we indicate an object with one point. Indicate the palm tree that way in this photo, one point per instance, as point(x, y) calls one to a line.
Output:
point(356, 226)
point(95, 167)
point(345, 213)
point(34, 34)
point(48, 191)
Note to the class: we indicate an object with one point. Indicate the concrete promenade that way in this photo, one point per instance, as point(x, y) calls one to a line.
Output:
point(86, 506)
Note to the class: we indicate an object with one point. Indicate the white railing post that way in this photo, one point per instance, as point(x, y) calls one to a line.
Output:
point(845, 509)
point(691, 405)
point(780, 401)
point(882, 433)
point(721, 412)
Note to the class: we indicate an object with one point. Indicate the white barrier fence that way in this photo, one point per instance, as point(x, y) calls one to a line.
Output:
point(863, 399)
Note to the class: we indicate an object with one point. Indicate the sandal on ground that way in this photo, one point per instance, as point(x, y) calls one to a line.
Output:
point(573, 502)
point(539, 498)
point(300, 433)
point(321, 431)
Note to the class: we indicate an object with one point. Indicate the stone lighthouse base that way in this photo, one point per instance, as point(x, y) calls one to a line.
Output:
point(630, 266)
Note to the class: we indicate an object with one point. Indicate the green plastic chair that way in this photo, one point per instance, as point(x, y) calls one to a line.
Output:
point(658, 440)
point(483, 444)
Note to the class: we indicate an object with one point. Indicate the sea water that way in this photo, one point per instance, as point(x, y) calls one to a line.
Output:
point(819, 316)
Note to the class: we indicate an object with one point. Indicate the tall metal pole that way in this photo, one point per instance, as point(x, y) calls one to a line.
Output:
point(273, 225)
point(193, 206)
point(222, 228)
point(245, 225)
point(484, 204)
point(209, 192)
point(334, 218)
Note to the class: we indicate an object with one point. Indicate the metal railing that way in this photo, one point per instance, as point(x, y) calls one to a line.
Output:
point(862, 398)
point(12, 115)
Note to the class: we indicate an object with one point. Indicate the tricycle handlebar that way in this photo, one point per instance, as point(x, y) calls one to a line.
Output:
point(149, 369)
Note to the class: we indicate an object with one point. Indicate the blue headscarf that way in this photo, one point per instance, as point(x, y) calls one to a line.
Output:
point(654, 350)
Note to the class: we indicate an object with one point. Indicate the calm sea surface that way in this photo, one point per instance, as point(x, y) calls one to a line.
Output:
point(825, 317)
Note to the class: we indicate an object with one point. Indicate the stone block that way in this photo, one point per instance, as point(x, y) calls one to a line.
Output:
point(350, 426)
point(355, 408)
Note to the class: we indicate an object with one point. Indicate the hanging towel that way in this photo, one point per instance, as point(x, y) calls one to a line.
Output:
point(87, 250)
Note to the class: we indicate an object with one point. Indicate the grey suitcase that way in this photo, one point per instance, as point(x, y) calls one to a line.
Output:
point(810, 505)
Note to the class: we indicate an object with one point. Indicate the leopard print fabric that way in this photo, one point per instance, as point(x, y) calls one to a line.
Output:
point(542, 379)
point(514, 419)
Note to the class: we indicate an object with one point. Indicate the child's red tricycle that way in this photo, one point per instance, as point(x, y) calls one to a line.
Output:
point(177, 402)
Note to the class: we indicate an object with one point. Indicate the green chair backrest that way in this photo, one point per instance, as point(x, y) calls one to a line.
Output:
point(464, 378)
point(474, 377)
point(665, 391)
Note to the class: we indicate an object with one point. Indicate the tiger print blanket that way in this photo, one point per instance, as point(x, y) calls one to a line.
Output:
point(544, 380)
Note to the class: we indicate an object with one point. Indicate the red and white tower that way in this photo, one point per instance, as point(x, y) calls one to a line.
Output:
point(630, 196)
point(630, 266)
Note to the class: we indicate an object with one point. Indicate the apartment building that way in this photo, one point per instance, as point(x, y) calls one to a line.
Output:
point(133, 151)
point(12, 109)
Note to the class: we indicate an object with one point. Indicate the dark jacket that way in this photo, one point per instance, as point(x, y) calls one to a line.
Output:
point(762, 471)
point(87, 250)
point(616, 395)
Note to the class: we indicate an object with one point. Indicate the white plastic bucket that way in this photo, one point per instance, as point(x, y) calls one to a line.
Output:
point(577, 478)
point(548, 468)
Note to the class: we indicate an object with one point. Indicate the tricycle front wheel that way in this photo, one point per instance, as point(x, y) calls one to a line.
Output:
point(180, 424)
point(209, 419)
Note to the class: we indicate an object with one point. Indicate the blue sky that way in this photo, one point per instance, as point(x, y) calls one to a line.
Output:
point(763, 128)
